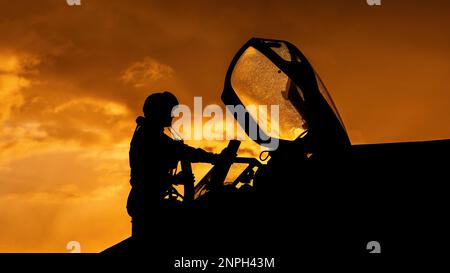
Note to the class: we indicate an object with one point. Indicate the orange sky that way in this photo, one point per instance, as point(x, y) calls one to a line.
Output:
point(73, 79)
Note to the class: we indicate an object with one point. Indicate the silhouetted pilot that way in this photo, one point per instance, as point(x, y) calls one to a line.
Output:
point(153, 158)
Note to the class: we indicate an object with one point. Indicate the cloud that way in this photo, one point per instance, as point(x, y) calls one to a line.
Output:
point(63, 160)
point(54, 197)
point(10, 95)
point(18, 63)
point(144, 73)
point(45, 222)
point(14, 70)
point(34, 117)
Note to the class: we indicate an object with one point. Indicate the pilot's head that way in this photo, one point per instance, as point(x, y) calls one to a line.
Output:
point(158, 108)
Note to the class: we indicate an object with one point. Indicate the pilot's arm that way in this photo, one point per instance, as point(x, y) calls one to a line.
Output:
point(180, 151)
point(194, 155)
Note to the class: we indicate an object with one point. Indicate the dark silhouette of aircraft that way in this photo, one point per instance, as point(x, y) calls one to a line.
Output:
point(316, 194)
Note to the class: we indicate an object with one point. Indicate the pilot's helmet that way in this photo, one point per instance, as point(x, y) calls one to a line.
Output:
point(160, 105)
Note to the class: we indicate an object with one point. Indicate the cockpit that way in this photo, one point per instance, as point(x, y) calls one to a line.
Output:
point(275, 73)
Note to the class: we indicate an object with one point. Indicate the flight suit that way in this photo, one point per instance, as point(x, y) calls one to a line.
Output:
point(153, 157)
